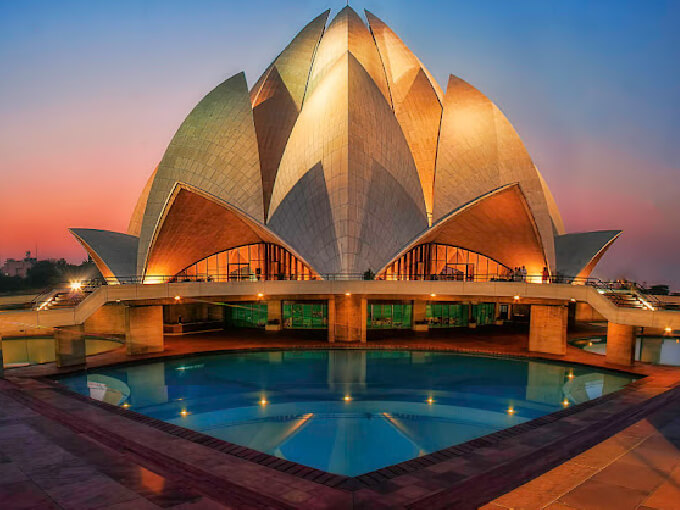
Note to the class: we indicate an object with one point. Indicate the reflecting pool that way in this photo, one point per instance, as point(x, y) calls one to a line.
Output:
point(346, 411)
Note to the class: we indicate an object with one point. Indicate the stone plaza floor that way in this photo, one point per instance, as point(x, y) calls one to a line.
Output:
point(58, 451)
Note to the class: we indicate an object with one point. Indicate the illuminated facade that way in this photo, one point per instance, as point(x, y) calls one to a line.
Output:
point(344, 158)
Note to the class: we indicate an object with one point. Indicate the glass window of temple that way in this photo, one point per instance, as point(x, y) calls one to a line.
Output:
point(262, 261)
point(434, 261)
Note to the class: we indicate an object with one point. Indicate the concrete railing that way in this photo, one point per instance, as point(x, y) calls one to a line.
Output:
point(529, 293)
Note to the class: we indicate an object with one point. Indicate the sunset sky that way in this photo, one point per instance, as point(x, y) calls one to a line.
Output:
point(92, 92)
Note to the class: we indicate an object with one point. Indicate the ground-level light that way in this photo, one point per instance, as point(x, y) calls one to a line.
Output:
point(76, 286)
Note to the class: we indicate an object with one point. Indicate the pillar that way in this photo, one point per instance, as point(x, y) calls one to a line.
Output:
point(548, 329)
point(350, 318)
point(273, 314)
point(419, 315)
point(69, 345)
point(331, 320)
point(143, 329)
point(108, 320)
point(2, 363)
point(620, 344)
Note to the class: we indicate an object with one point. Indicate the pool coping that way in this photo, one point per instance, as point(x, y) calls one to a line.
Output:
point(376, 485)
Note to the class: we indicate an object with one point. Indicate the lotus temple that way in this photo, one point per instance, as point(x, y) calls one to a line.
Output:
point(345, 286)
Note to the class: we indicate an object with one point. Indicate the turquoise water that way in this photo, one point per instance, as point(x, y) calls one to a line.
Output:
point(346, 411)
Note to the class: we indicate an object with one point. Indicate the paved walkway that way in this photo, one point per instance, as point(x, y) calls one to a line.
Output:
point(638, 468)
point(44, 465)
point(55, 461)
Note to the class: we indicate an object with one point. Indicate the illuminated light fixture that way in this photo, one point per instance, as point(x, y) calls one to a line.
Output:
point(600, 291)
point(677, 340)
point(565, 403)
point(668, 331)
point(590, 344)
point(76, 286)
point(430, 400)
point(348, 293)
point(511, 410)
point(433, 295)
point(347, 398)
point(516, 298)
point(263, 402)
point(572, 300)
point(184, 413)
point(259, 294)
point(570, 375)
point(126, 405)
point(177, 298)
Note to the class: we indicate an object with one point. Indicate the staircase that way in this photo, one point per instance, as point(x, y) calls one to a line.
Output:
point(61, 298)
point(630, 298)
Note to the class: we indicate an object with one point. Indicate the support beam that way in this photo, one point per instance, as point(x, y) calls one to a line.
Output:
point(143, 329)
point(620, 344)
point(350, 318)
point(548, 329)
point(69, 345)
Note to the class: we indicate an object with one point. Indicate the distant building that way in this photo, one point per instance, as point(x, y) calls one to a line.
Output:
point(20, 268)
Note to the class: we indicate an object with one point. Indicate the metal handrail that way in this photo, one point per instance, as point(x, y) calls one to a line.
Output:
point(609, 288)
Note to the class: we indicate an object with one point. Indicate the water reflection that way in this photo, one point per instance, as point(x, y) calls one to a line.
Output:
point(346, 411)
point(36, 350)
point(657, 350)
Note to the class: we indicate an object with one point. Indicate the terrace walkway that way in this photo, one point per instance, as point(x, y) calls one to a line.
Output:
point(528, 293)
point(638, 468)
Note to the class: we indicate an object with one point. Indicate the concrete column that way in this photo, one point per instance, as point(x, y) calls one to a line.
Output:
point(350, 318)
point(548, 329)
point(107, 320)
point(419, 315)
point(362, 318)
point(331, 320)
point(69, 345)
point(143, 329)
point(620, 343)
point(273, 312)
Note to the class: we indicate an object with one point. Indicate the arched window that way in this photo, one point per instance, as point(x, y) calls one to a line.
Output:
point(262, 261)
point(444, 262)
